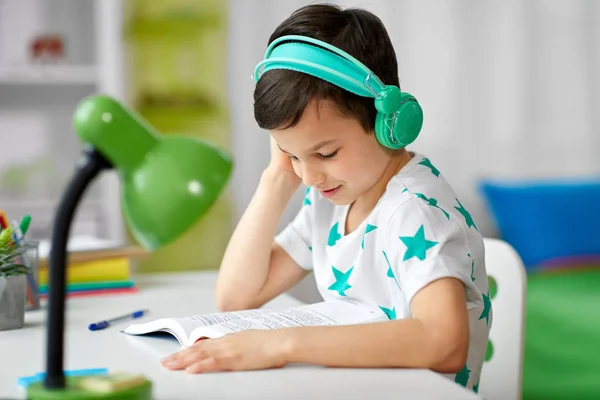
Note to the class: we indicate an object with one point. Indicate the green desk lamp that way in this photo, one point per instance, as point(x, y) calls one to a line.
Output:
point(167, 184)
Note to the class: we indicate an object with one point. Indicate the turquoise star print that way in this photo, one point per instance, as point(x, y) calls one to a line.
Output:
point(390, 271)
point(306, 199)
point(432, 202)
point(428, 164)
point(417, 246)
point(463, 376)
point(472, 268)
point(341, 281)
point(487, 305)
point(334, 236)
point(476, 387)
point(390, 313)
point(367, 230)
point(465, 213)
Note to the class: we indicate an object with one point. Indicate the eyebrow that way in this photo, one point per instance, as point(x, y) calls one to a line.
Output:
point(316, 147)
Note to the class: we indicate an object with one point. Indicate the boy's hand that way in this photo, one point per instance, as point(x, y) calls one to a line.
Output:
point(245, 350)
point(281, 166)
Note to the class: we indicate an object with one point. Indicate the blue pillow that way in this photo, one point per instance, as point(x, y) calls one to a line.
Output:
point(546, 220)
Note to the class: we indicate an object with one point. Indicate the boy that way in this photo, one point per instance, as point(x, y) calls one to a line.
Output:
point(379, 224)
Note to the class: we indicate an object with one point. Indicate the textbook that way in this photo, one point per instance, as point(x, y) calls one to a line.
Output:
point(188, 330)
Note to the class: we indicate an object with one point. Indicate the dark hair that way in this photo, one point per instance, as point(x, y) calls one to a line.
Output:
point(280, 96)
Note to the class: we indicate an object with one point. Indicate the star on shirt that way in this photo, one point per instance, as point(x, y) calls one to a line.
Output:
point(427, 163)
point(390, 271)
point(390, 313)
point(432, 202)
point(472, 267)
point(465, 213)
point(341, 281)
point(417, 246)
point(462, 377)
point(476, 387)
point(487, 305)
point(334, 236)
point(306, 199)
point(367, 230)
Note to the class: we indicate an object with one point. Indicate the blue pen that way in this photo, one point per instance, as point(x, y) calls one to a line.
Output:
point(105, 324)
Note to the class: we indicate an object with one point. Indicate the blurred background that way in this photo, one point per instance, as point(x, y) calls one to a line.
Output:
point(510, 92)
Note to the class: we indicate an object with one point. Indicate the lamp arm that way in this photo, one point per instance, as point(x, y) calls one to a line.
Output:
point(87, 169)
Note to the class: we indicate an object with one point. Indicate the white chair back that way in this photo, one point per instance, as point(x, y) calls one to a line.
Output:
point(502, 374)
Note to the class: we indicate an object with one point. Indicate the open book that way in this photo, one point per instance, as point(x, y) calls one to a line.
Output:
point(188, 330)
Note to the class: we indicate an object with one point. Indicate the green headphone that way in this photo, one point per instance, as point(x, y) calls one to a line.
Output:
point(399, 115)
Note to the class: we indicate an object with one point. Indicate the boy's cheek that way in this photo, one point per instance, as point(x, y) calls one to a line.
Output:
point(297, 170)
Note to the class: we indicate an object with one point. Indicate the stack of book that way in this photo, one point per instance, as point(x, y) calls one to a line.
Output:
point(94, 268)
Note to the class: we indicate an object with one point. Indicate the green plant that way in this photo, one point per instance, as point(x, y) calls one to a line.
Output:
point(11, 262)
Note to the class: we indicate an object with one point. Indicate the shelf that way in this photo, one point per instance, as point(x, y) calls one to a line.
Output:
point(48, 75)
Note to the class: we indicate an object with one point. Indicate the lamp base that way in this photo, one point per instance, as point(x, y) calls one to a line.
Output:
point(94, 387)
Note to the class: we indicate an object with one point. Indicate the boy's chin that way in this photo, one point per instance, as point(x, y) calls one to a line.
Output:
point(341, 200)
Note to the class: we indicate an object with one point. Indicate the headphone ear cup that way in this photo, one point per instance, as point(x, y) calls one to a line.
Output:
point(382, 131)
point(406, 127)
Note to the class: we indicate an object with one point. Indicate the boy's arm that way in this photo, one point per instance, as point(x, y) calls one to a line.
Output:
point(436, 337)
point(254, 268)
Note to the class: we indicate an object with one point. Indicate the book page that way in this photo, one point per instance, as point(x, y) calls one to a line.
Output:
point(190, 323)
point(160, 325)
point(332, 312)
point(182, 327)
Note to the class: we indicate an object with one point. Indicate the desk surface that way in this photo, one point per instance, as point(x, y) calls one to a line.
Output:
point(22, 352)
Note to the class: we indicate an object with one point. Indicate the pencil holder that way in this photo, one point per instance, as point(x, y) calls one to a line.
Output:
point(13, 282)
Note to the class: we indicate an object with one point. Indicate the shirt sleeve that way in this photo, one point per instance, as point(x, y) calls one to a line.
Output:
point(426, 245)
point(296, 237)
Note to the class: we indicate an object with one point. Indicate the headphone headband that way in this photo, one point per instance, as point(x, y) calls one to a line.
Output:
point(306, 55)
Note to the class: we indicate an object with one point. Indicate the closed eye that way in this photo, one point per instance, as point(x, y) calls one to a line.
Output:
point(324, 157)
point(328, 156)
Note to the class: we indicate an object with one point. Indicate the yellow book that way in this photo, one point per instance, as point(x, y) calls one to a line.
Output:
point(112, 269)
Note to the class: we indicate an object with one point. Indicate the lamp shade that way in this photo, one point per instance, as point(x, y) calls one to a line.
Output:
point(167, 182)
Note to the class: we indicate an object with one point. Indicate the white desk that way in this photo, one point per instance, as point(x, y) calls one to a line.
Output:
point(22, 353)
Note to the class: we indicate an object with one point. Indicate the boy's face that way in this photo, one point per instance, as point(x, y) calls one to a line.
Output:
point(333, 153)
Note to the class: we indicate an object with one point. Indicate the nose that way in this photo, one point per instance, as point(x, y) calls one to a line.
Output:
point(312, 175)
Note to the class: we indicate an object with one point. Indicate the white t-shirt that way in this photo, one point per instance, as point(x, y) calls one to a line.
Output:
point(418, 232)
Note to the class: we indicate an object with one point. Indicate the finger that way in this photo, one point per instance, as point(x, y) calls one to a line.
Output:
point(182, 362)
point(180, 354)
point(185, 359)
point(197, 347)
point(206, 365)
point(175, 357)
point(170, 358)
